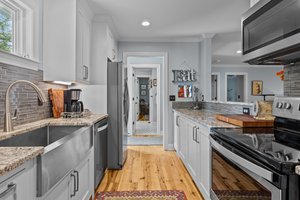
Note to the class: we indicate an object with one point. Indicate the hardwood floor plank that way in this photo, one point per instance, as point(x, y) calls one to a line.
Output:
point(150, 168)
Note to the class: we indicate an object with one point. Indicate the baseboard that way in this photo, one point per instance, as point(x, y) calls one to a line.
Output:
point(169, 147)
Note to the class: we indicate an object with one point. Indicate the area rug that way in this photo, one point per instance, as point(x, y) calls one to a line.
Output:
point(142, 195)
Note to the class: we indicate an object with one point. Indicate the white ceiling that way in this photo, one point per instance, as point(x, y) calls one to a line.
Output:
point(171, 19)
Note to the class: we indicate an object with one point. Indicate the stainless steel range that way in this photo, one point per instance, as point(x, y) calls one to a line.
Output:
point(259, 163)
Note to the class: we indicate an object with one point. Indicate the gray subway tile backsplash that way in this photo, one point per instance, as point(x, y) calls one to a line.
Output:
point(23, 97)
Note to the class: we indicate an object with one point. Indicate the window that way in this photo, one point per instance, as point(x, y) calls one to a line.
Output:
point(16, 29)
point(6, 28)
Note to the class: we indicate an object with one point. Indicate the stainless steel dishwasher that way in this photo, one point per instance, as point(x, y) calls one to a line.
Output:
point(100, 146)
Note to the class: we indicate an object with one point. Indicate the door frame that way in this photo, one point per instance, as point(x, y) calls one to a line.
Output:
point(218, 74)
point(133, 67)
point(166, 107)
point(144, 76)
point(245, 84)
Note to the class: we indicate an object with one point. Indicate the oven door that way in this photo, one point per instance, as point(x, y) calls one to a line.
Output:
point(234, 177)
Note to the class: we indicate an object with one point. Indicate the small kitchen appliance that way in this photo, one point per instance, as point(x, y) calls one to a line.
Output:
point(259, 163)
point(71, 101)
point(271, 33)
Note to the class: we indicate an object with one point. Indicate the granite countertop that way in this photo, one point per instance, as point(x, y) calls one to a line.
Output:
point(83, 121)
point(204, 117)
point(12, 157)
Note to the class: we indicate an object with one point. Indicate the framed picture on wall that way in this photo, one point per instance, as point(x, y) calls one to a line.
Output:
point(143, 87)
point(257, 88)
point(143, 92)
point(185, 91)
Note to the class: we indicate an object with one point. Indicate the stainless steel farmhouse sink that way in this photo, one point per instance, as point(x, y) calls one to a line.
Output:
point(65, 147)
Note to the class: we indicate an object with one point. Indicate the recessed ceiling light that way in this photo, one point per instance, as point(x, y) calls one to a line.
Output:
point(239, 51)
point(146, 23)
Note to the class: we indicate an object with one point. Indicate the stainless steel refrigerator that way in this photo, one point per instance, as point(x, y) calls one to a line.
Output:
point(118, 110)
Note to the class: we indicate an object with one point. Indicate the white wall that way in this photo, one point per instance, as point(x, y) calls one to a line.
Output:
point(178, 53)
point(271, 83)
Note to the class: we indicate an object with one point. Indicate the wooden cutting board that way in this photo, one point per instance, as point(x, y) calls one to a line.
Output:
point(244, 120)
point(57, 100)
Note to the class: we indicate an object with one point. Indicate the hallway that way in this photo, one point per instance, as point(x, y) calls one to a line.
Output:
point(150, 168)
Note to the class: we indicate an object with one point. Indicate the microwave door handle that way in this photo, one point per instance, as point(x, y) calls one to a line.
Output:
point(266, 174)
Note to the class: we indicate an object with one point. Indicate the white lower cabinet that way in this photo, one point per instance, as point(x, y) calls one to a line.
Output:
point(183, 140)
point(20, 183)
point(176, 131)
point(195, 151)
point(82, 183)
point(77, 185)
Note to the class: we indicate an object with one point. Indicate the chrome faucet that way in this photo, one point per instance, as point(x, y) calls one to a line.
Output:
point(7, 117)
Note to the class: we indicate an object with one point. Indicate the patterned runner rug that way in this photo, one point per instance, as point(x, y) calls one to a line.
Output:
point(142, 195)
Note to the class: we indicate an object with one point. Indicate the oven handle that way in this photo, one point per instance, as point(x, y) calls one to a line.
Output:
point(241, 161)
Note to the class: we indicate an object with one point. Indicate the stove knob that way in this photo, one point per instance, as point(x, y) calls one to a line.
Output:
point(279, 154)
point(279, 105)
point(286, 158)
point(287, 106)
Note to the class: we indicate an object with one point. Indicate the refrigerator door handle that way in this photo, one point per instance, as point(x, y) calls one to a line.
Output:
point(126, 103)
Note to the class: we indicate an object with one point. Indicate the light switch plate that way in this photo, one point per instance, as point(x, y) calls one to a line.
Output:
point(246, 111)
point(172, 98)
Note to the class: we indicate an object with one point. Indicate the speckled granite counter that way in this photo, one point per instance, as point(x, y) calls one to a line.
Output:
point(204, 117)
point(12, 157)
point(84, 121)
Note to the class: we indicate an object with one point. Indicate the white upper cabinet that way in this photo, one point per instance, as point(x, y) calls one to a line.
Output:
point(104, 47)
point(66, 40)
point(111, 46)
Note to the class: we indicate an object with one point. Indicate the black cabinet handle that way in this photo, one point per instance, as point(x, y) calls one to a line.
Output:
point(74, 186)
point(11, 188)
point(77, 184)
point(194, 133)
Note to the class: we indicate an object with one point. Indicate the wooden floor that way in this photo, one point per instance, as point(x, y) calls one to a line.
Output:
point(150, 168)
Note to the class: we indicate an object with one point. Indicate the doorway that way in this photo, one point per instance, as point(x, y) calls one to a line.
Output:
point(236, 87)
point(145, 109)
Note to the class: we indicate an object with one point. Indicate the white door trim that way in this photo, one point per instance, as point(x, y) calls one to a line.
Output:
point(167, 136)
point(132, 67)
point(218, 74)
point(245, 84)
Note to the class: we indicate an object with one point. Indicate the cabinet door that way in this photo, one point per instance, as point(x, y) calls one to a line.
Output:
point(17, 187)
point(193, 150)
point(79, 45)
point(82, 183)
point(183, 145)
point(62, 191)
point(206, 163)
point(176, 131)
point(86, 58)
point(111, 48)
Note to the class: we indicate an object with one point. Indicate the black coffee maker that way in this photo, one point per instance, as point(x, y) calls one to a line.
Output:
point(71, 101)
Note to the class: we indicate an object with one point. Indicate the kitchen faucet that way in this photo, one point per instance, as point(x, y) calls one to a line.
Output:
point(7, 117)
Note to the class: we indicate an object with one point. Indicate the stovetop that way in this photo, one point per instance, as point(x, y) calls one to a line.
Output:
point(261, 143)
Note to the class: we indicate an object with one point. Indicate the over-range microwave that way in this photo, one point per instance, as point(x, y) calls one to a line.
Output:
point(271, 33)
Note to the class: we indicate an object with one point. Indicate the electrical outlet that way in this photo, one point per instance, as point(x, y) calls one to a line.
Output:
point(246, 111)
point(172, 98)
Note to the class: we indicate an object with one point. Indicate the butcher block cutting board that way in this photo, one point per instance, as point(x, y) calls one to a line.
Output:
point(244, 120)
point(57, 100)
